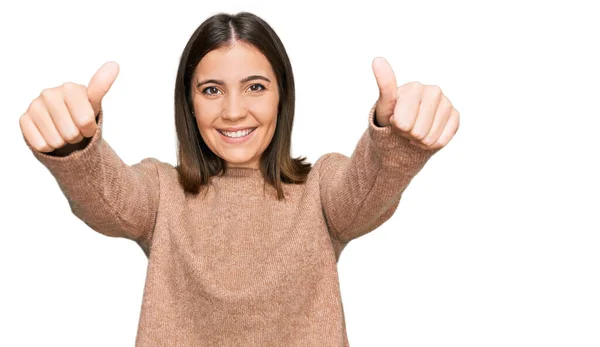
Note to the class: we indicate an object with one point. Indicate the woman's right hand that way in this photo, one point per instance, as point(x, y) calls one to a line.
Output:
point(67, 114)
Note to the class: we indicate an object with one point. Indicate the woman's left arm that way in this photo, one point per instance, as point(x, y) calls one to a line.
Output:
point(407, 126)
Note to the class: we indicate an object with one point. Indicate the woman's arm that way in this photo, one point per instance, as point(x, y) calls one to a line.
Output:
point(360, 193)
point(111, 197)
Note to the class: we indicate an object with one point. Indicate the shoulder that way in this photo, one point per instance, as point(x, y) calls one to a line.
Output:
point(162, 170)
point(329, 161)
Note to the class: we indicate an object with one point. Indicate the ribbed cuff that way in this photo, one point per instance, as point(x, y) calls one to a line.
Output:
point(77, 162)
point(394, 148)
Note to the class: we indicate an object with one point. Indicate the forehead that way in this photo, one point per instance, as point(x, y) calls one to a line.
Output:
point(233, 61)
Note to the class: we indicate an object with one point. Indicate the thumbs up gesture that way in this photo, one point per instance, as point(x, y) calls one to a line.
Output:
point(420, 113)
point(67, 114)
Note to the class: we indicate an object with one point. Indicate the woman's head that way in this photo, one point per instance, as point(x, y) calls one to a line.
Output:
point(213, 92)
point(234, 92)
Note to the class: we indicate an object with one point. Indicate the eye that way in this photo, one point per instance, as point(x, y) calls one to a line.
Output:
point(209, 88)
point(258, 84)
point(213, 90)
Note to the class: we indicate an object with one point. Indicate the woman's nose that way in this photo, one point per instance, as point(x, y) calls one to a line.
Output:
point(234, 108)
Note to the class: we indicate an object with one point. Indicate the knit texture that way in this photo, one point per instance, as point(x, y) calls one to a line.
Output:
point(232, 266)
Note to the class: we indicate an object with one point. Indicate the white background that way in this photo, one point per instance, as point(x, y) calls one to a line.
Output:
point(495, 243)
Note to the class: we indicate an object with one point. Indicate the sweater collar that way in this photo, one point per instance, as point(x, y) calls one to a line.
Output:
point(242, 172)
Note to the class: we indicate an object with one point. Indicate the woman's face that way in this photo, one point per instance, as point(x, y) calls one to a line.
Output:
point(235, 91)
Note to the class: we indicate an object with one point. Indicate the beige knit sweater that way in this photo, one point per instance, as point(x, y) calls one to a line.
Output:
point(234, 266)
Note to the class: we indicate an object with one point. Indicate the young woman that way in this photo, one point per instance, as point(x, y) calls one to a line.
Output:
point(242, 239)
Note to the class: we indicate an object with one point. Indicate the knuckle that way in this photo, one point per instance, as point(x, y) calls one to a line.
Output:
point(434, 90)
point(419, 135)
point(70, 134)
point(57, 142)
point(85, 120)
point(22, 121)
point(445, 103)
point(428, 140)
point(404, 127)
point(39, 147)
point(417, 89)
point(47, 93)
point(73, 137)
point(447, 100)
point(36, 105)
point(431, 94)
point(70, 86)
point(409, 88)
point(416, 85)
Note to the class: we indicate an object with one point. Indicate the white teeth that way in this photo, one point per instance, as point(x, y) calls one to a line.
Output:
point(235, 134)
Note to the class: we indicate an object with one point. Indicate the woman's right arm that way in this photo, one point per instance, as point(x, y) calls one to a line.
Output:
point(111, 197)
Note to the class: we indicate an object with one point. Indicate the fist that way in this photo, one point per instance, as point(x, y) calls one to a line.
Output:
point(420, 113)
point(67, 114)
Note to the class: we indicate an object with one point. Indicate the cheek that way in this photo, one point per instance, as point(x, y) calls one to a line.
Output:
point(264, 105)
point(265, 112)
point(270, 128)
point(204, 129)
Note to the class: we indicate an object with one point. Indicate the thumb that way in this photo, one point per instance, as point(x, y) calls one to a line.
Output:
point(101, 83)
point(386, 81)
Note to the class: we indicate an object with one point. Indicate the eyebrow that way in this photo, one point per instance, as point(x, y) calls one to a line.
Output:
point(243, 80)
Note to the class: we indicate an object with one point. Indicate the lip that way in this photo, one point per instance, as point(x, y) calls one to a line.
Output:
point(237, 140)
point(234, 129)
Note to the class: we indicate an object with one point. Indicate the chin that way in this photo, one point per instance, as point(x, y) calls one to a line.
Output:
point(236, 162)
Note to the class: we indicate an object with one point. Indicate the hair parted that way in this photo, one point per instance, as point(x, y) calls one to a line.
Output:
point(196, 163)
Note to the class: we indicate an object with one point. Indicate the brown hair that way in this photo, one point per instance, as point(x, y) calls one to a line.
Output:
point(196, 162)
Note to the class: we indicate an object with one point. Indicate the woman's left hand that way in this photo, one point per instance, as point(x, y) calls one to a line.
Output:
point(418, 112)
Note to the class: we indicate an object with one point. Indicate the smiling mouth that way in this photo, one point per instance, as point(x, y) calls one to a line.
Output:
point(238, 134)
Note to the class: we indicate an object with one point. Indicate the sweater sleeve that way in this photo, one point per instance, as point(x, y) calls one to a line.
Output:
point(360, 193)
point(111, 197)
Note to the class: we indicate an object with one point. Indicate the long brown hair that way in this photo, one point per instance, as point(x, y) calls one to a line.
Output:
point(196, 162)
